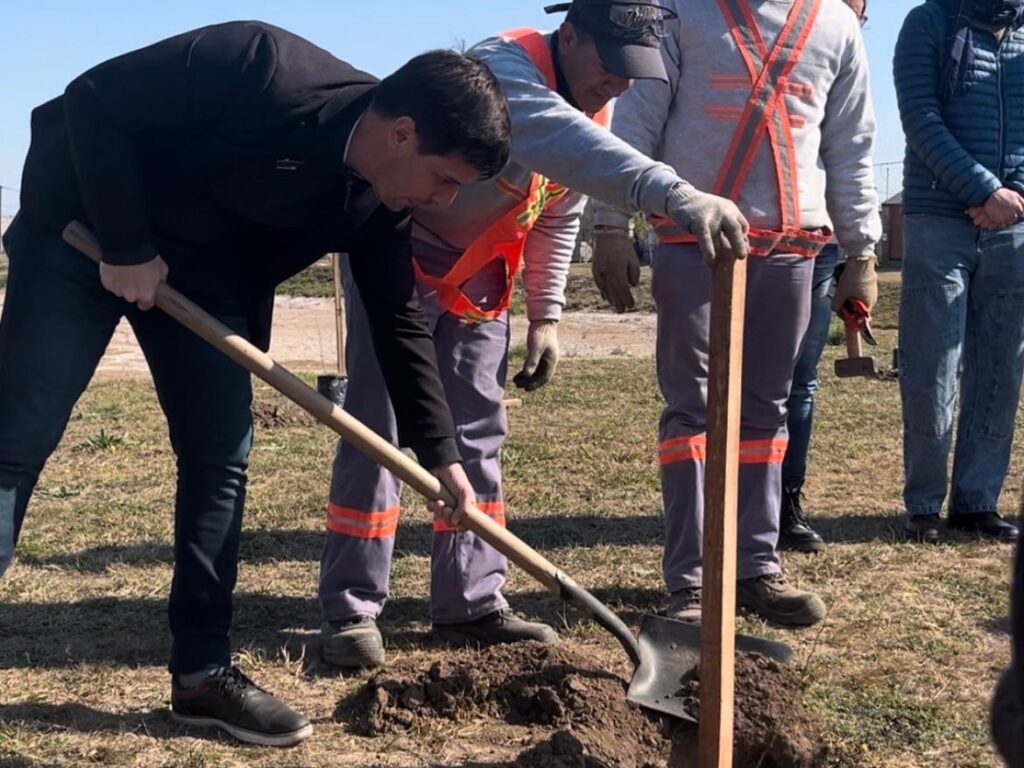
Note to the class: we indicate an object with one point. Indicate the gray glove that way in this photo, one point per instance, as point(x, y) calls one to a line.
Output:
point(615, 267)
point(716, 221)
point(542, 354)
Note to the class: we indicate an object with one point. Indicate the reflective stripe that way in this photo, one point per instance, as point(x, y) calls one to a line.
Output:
point(493, 509)
point(763, 451)
point(765, 111)
point(505, 238)
point(763, 242)
point(684, 448)
point(361, 524)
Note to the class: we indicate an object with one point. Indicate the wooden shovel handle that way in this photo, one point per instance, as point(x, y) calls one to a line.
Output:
point(350, 429)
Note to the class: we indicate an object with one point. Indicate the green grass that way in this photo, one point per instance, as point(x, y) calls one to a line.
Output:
point(900, 672)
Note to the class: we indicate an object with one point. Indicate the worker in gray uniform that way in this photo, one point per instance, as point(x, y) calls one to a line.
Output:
point(767, 104)
point(558, 86)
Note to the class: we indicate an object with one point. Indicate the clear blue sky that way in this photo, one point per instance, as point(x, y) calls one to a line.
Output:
point(46, 43)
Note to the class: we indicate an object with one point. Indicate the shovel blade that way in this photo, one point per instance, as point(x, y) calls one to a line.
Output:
point(669, 654)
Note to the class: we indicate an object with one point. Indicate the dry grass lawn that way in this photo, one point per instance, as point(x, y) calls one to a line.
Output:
point(901, 671)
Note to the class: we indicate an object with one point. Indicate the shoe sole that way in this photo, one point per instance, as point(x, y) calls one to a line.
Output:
point(461, 640)
point(810, 549)
point(983, 535)
point(362, 653)
point(244, 734)
point(793, 620)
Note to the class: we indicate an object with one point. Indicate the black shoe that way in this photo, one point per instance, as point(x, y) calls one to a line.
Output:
point(494, 629)
point(986, 523)
point(794, 531)
point(923, 528)
point(232, 702)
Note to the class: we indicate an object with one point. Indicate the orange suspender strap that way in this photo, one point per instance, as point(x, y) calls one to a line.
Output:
point(505, 239)
point(765, 113)
point(502, 240)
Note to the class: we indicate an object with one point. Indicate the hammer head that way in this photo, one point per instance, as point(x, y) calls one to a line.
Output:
point(852, 367)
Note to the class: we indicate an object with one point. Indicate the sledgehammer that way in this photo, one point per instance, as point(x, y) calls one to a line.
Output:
point(855, 363)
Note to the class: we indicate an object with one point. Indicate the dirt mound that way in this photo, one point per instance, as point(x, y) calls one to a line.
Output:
point(278, 416)
point(592, 725)
point(773, 728)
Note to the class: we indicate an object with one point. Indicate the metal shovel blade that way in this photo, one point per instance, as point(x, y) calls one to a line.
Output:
point(669, 654)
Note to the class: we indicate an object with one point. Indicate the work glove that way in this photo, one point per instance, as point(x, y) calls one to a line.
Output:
point(717, 222)
point(857, 281)
point(542, 355)
point(615, 267)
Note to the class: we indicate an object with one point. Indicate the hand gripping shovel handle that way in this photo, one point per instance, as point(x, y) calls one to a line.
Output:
point(366, 440)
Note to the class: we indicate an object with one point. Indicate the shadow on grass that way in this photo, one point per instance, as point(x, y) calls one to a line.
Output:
point(414, 538)
point(85, 719)
point(133, 631)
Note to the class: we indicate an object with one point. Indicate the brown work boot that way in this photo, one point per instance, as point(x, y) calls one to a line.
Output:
point(684, 605)
point(352, 644)
point(771, 598)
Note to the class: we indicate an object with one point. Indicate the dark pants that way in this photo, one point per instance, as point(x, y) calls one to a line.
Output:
point(800, 406)
point(57, 321)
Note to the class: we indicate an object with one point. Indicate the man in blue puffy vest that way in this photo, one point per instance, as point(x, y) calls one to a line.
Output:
point(959, 69)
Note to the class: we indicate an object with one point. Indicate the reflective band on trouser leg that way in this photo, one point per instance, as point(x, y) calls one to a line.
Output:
point(363, 512)
point(684, 448)
point(682, 290)
point(467, 574)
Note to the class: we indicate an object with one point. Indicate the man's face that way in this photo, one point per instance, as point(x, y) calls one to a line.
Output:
point(406, 178)
point(591, 85)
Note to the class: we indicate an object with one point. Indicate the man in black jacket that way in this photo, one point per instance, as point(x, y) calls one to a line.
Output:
point(225, 160)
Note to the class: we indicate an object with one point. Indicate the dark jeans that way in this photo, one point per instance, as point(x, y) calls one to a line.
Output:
point(800, 406)
point(57, 321)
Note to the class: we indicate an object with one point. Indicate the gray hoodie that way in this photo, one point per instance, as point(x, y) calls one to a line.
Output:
point(553, 138)
point(689, 122)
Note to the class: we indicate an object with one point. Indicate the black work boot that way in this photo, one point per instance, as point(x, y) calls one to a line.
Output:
point(988, 524)
point(232, 702)
point(795, 533)
point(352, 644)
point(684, 605)
point(496, 628)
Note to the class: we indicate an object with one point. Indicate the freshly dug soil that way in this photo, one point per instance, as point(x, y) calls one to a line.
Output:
point(591, 723)
point(773, 727)
point(278, 416)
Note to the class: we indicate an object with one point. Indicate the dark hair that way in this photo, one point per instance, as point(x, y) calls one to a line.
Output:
point(457, 104)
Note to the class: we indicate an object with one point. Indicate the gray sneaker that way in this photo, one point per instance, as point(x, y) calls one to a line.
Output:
point(352, 644)
point(771, 598)
point(496, 628)
point(684, 605)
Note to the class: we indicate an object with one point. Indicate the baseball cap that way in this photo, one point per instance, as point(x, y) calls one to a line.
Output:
point(627, 34)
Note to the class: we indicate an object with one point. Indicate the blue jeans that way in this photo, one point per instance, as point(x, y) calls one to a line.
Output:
point(57, 321)
point(800, 405)
point(961, 316)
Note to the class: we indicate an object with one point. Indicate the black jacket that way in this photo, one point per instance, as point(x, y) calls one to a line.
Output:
point(221, 150)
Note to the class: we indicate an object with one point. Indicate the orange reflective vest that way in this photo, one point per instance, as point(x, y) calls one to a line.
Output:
point(505, 239)
point(763, 115)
